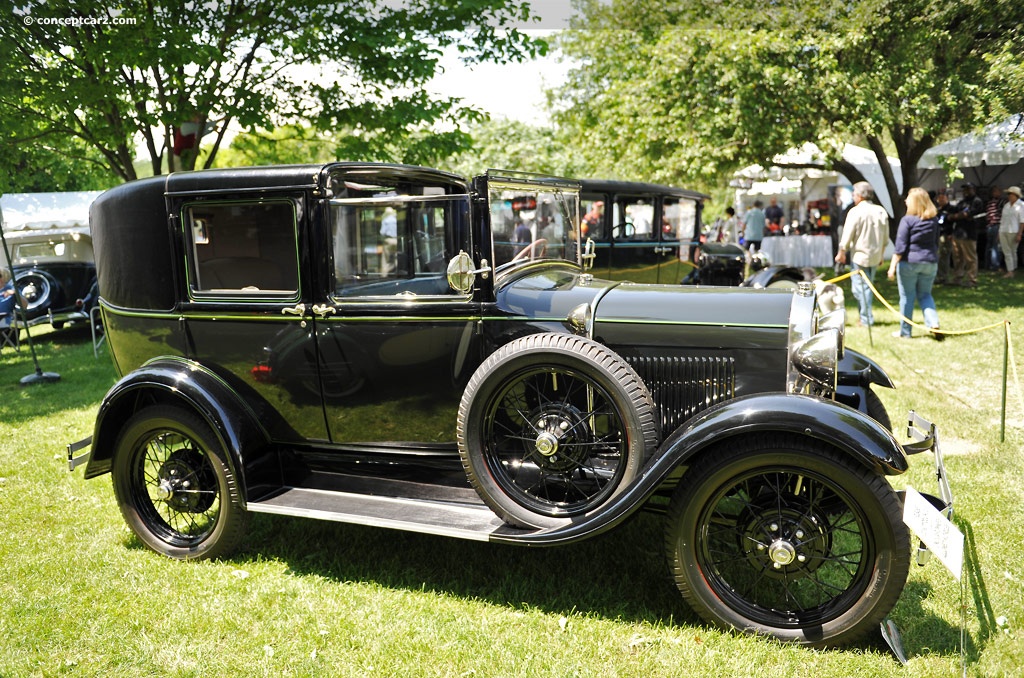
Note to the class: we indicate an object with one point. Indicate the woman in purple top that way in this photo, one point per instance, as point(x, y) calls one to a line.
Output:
point(915, 261)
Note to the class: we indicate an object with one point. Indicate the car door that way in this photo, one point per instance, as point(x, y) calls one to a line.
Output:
point(247, 311)
point(396, 343)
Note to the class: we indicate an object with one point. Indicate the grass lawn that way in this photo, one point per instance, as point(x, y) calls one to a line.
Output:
point(81, 597)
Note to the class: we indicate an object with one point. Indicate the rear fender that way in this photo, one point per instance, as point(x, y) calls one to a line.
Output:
point(848, 430)
point(244, 444)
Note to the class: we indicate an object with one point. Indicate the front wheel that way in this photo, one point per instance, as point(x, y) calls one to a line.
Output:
point(175, 493)
point(786, 536)
point(552, 426)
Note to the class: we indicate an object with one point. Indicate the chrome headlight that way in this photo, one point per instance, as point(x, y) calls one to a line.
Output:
point(815, 345)
point(835, 320)
point(815, 361)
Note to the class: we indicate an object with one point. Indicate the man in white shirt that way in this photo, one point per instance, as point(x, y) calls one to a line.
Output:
point(865, 234)
point(1010, 229)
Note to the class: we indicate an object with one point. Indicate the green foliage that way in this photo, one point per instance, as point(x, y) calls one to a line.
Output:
point(52, 165)
point(353, 64)
point(510, 144)
point(685, 92)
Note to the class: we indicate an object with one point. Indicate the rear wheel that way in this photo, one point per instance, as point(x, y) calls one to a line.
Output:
point(786, 536)
point(175, 493)
point(552, 426)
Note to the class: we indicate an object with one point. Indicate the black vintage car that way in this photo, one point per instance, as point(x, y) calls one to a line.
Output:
point(55, 273)
point(400, 347)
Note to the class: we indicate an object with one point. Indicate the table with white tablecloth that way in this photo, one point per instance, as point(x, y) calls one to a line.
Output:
point(799, 250)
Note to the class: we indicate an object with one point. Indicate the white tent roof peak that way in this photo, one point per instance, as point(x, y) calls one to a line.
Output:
point(1001, 143)
point(861, 158)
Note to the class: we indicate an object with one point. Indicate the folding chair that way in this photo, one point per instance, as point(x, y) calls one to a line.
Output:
point(10, 333)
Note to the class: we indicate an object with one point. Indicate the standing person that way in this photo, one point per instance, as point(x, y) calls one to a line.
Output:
point(970, 216)
point(865, 234)
point(993, 214)
point(730, 227)
point(1010, 230)
point(753, 226)
point(945, 220)
point(916, 261)
point(773, 214)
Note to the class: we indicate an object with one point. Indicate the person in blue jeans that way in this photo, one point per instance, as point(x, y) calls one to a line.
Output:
point(915, 262)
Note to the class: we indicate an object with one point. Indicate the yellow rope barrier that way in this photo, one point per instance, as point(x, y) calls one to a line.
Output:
point(1002, 323)
point(919, 326)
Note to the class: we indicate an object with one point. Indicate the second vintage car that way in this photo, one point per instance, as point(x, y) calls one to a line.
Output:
point(405, 348)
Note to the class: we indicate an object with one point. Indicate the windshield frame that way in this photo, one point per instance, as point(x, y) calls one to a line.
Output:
point(562, 193)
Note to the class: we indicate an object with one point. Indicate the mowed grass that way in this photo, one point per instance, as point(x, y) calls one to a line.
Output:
point(80, 596)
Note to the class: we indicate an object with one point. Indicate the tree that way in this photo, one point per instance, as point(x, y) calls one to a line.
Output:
point(67, 165)
point(697, 89)
point(170, 74)
point(510, 144)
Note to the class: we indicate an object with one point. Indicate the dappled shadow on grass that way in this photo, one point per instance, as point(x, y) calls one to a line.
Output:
point(619, 575)
point(84, 378)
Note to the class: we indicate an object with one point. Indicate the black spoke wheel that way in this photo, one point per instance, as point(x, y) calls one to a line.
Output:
point(786, 536)
point(552, 426)
point(174, 492)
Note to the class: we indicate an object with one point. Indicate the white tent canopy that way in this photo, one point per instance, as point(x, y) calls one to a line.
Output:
point(25, 211)
point(998, 144)
point(861, 158)
point(994, 156)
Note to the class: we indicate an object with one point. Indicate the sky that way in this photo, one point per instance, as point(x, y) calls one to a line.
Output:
point(514, 91)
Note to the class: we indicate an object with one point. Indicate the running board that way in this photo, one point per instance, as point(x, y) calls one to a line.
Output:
point(448, 519)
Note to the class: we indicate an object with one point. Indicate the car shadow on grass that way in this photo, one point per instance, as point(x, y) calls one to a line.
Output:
point(619, 575)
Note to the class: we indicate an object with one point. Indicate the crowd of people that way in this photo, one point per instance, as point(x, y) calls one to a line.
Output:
point(939, 241)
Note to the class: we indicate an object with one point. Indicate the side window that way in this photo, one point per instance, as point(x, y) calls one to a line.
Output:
point(395, 247)
point(680, 220)
point(246, 249)
point(594, 223)
point(633, 219)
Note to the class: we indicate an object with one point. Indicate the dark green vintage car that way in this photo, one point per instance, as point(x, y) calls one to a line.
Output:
point(400, 347)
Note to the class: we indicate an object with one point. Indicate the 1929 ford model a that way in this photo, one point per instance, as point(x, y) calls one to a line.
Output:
point(399, 347)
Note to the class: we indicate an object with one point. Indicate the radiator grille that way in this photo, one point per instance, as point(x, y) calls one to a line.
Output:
point(683, 386)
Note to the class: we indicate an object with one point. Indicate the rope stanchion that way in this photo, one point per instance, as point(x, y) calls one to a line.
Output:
point(1009, 363)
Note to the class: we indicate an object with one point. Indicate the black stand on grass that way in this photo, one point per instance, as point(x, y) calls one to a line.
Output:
point(39, 376)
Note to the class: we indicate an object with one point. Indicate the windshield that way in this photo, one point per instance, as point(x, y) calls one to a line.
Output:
point(533, 217)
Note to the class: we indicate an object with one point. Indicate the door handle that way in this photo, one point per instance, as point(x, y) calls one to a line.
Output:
point(298, 309)
point(323, 310)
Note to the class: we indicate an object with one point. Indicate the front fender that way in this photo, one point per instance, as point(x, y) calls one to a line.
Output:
point(178, 381)
point(845, 428)
point(856, 369)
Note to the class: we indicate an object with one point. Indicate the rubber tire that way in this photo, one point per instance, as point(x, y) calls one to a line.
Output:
point(49, 291)
point(876, 408)
point(137, 507)
point(884, 534)
point(630, 396)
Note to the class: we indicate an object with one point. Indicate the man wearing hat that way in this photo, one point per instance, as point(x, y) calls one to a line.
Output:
point(1010, 230)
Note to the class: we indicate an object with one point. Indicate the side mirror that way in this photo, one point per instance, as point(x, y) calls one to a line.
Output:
point(462, 275)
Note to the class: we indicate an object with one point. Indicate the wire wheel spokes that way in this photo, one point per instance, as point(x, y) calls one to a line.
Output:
point(556, 441)
point(177, 490)
point(784, 547)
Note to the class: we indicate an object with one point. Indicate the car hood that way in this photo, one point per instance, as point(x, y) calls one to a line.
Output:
point(703, 312)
